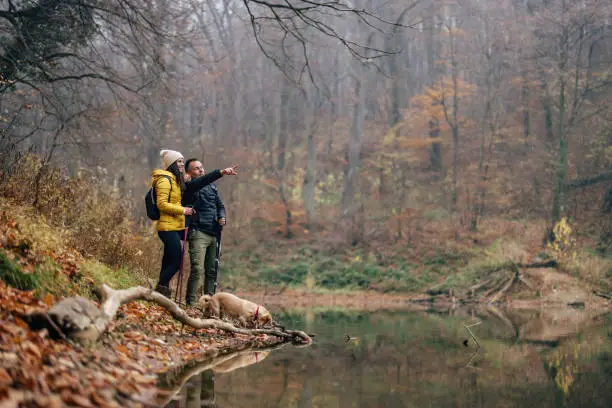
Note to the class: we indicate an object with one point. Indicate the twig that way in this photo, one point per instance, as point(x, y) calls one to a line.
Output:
point(469, 363)
point(503, 290)
point(75, 360)
point(467, 327)
point(479, 285)
point(59, 331)
point(525, 281)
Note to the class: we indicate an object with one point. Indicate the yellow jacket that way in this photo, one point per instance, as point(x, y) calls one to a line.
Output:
point(171, 212)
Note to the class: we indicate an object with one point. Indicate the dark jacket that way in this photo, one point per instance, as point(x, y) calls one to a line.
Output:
point(208, 205)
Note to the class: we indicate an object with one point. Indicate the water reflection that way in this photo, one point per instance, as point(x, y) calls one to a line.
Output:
point(194, 386)
point(541, 358)
point(198, 392)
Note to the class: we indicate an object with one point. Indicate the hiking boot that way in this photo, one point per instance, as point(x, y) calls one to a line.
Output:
point(164, 290)
point(210, 287)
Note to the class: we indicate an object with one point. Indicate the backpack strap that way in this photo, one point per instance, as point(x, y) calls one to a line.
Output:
point(170, 193)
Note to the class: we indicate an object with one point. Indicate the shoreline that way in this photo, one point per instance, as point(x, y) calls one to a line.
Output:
point(296, 299)
point(293, 299)
point(146, 356)
point(123, 369)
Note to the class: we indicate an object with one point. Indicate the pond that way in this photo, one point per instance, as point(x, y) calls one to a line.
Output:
point(542, 358)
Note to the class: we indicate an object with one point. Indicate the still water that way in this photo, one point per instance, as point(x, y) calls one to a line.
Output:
point(544, 358)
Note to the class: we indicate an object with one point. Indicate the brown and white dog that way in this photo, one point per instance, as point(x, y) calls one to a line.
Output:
point(223, 304)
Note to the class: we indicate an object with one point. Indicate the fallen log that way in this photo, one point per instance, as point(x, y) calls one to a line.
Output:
point(545, 264)
point(503, 290)
point(437, 292)
point(603, 295)
point(79, 319)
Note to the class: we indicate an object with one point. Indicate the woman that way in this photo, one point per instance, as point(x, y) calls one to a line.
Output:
point(169, 185)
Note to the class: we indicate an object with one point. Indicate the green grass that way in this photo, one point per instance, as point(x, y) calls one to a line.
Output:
point(348, 272)
point(47, 277)
point(116, 279)
point(13, 275)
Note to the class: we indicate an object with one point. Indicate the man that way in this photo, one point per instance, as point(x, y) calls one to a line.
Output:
point(204, 229)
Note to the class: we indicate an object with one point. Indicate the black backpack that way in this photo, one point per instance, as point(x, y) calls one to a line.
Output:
point(151, 206)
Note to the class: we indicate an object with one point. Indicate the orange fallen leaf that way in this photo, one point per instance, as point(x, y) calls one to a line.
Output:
point(62, 382)
point(5, 378)
point(48, 300)
point(20, 323)
point(122, 349)
point(10, 329)
point(76, 399)
point(51, 401)
point(134, 335)
point(32, 348)
point(102, 402)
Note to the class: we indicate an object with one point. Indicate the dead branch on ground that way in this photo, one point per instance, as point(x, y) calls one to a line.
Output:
point(79, 319)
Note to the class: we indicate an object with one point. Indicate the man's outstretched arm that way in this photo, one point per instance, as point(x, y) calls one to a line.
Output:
point(196, 184)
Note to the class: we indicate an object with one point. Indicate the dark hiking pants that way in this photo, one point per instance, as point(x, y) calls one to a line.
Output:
point(171, 261)
point(202, 255)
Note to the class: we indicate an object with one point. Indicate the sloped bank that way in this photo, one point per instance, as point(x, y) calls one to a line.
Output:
point(122, 369)
point(526, 286)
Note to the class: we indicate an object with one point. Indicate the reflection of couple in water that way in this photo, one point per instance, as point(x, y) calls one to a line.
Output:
point(200, 391)
point(199, 383)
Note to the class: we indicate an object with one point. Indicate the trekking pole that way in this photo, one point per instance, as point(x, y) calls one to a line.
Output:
point(217, 259)
point(179, 284)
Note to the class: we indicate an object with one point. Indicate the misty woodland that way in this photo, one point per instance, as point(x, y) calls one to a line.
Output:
point(450, 152)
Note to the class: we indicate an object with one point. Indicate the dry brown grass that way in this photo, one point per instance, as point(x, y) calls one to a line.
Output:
point(78, 213)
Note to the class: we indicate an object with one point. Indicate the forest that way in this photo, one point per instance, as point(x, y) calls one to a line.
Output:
point(383, 145)
point(428, 165)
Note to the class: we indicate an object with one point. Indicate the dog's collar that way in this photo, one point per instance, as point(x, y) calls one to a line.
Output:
point(257, 312)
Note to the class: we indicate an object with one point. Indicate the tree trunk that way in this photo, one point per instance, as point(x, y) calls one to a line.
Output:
point(607, 204)
point(562, 165)
point(308, 192)
point(547, 105)
point(526, 117)
point(283, 137)
point(353, 151)
point(455, 122)
point(435, 153)
point(478, 206)
point(455, 134)
point(282, 190)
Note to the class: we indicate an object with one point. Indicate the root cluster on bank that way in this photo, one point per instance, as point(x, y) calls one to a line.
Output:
point(79, 319)
point(494, 283)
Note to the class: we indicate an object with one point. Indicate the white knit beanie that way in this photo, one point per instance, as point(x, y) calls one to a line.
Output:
point(169, 156)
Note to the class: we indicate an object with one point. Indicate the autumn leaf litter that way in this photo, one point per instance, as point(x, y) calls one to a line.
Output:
point(121, 370)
